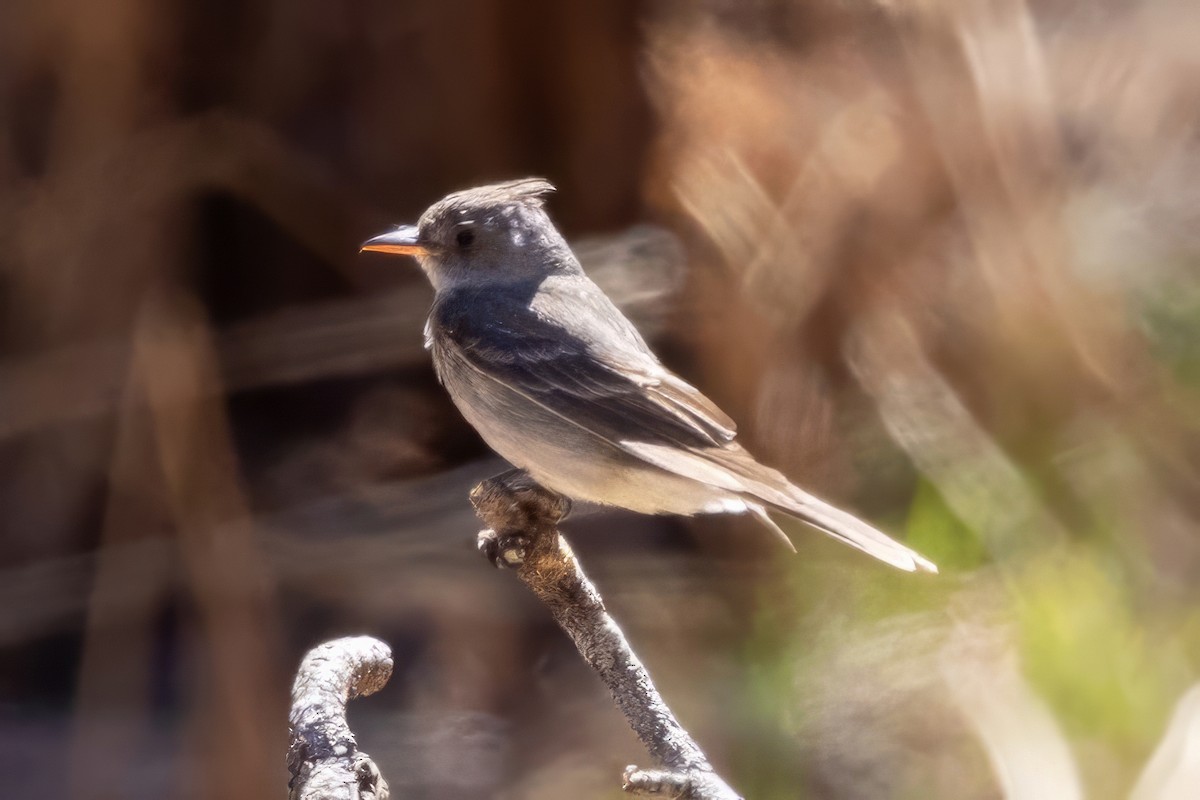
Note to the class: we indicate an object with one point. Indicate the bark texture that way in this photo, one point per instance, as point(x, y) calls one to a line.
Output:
point(522, 533)
point(324, 759)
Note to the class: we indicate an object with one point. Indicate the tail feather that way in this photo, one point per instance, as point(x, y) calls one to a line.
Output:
point(772, 488)
point(732, 469)
point(854, 532)
point(762, 516)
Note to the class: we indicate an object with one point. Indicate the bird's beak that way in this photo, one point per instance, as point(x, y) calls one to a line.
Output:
point(403, 241)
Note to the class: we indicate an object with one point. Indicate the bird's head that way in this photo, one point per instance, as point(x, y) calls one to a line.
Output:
point(488, 235)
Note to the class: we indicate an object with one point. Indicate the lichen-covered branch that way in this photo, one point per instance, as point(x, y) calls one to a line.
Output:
point(323, 758)
point(522, 520)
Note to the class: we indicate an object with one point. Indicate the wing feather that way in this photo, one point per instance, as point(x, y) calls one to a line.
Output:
point(593, 369)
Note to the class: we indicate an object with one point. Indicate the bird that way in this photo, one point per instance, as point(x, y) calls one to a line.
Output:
point(559, 383)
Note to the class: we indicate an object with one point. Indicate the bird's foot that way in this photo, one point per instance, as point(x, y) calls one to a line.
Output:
point(504, 551)
point(514, 501)
point(519, 513)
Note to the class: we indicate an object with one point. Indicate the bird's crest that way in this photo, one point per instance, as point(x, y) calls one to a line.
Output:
point(526, 191)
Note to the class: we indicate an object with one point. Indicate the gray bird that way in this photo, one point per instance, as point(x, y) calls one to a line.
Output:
point(558, 382)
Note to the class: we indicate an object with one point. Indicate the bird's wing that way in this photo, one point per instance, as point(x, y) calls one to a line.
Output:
point(578, 357)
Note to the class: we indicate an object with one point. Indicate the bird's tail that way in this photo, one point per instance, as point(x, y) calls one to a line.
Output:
point(770, 488)
point(849, 529)
point(731, 469)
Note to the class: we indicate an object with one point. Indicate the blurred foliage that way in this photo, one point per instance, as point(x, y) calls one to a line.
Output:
point(1105, 671)
point(932, 528)
point(1172, 322)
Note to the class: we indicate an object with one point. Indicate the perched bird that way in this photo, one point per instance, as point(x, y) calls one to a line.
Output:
point(558, 382)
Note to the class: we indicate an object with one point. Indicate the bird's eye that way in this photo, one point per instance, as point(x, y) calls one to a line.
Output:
point(465, 238)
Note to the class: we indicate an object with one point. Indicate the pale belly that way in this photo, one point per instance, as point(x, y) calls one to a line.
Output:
point(568, 459)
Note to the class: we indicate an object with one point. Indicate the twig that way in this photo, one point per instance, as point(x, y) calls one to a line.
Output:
point(323, 758)
point(222, 568)
point(122, 610)
point(522, 519)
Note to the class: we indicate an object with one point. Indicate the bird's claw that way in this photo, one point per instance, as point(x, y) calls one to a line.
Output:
point(503, 551)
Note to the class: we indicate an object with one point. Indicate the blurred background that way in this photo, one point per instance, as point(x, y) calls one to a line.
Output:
point(939, 258)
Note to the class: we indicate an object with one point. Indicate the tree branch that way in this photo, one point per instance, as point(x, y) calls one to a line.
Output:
point(323, 758)
point(522, 519)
